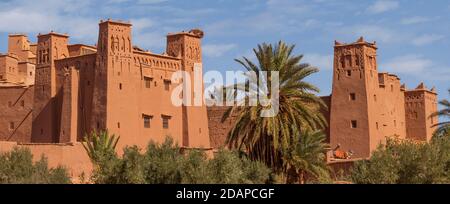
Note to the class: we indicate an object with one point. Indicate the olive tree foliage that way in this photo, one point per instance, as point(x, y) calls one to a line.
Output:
point(406, 162)
point(17, 167)
point(167, 163)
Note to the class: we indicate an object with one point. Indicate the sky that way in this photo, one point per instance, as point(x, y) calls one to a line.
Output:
point(413, 37)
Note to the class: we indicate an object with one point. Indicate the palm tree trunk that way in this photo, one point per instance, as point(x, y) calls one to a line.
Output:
point(291, 176)
point(301, 177)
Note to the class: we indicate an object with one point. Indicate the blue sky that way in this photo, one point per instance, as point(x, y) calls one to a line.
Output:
point(412, 36)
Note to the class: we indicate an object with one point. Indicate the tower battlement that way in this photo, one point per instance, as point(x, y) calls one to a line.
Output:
point(360, 41)
point(368, 106)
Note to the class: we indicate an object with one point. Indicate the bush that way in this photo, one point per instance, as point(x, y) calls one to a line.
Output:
point(406, 162)
point(194, 168)
point(164, 164)
point(17, 167)
point(230, 168)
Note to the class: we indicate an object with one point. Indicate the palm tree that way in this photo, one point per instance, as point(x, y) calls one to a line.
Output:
point(100, 145)
point(306, 158)
point(265, 138)
point(444, 127)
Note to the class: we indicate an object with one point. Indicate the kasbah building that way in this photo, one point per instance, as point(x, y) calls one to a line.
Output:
point(52, 93)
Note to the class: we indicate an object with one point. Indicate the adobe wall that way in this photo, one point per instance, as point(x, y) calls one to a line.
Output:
point(218, 130)
point(27, 72)
point(19, 45)
point(75, 78)
point(132, 90)
point(9, 68)
point(155, 80)
point(420, 104)
point(16, 113)
point(387, 110)
point(353, 77)
point(79, 49)
point(51, 47)
point(187, 45)
point(326, 112)
point(367, 106)
point(72, 156)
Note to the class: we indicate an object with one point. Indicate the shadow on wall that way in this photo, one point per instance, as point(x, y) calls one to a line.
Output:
point(16, 115)
point(42, 129)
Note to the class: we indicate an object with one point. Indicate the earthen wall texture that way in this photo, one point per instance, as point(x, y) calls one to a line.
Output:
point(218, 130)
point(420, 104)
point(16, 113)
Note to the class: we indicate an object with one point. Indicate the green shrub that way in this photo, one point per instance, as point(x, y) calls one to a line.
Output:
point(164, 164)
point(226, 168)
point(194, 168)
point(17, 167)
point(229, 167)
point(256, 172)
point(406, 162)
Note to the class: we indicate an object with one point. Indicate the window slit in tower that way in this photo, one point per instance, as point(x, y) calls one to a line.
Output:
point(352, 96)
point(147, 119)
point(147, 81)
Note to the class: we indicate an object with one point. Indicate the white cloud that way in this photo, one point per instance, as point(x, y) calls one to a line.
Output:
point(139, 1)
point(77, 18)
point(426, 39)
point(381, 6)
point(217, 50)
point(151, 1)
point(288, 6)
point(323, 62)
point(65, 17)
point(378, 33)
point(415, 20)
point(146, 40)
point(410, 64)
point(20, 20)
point(417, 66)
point(142, 23)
